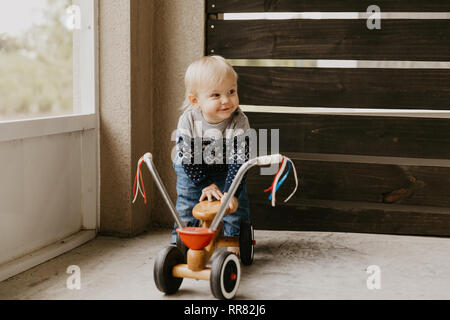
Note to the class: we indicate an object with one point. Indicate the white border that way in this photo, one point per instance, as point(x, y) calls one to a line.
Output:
point(346, 64)
point(332, 15)
point(411, 113)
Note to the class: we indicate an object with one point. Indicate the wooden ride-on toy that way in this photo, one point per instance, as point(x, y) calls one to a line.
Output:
point(225, 272)
point(206, 211)
point(173, 263)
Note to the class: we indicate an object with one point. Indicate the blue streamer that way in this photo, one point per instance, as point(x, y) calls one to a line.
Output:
point(281, 181)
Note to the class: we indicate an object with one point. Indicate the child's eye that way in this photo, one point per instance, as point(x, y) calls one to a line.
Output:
point(215, 95)
point(232, 91)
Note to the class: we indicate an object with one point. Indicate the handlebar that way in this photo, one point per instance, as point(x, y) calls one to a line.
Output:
point(260, 161)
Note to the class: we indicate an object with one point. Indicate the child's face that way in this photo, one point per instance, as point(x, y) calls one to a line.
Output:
point(218, 103)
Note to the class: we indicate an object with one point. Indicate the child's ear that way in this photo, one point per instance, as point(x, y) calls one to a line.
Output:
point(193, 100)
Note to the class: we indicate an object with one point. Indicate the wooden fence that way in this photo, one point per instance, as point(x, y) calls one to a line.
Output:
point(359, 173)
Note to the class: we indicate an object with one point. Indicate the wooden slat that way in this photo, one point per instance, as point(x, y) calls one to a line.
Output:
point(398, 39)
point(358, 135)
point(345, 88)
point(343, 197)
point(348, 218)
point(215, 6)
point(361, 182)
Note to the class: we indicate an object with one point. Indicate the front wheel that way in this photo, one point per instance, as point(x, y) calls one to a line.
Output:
point(162, 270)
point(225, 275)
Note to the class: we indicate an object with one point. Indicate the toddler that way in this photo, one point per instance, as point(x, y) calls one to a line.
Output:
point(211, 143)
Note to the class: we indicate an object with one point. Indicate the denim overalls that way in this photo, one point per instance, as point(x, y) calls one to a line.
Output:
point(189, 195)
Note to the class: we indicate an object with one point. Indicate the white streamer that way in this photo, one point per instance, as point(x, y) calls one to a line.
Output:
point(138, 185)
point(283, 166)
point(296, 180)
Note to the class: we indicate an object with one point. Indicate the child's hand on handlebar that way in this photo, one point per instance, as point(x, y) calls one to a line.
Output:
point(210, 191)
point(233, 206)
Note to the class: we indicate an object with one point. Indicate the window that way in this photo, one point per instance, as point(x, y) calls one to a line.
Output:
point(48, 127)
point(40, 41)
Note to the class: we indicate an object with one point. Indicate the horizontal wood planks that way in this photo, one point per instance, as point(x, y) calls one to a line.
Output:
point(350, 217)
point(358, 135)
point(336, 195)
point(398, 39)
point(223, 6)
point(362, 182)
point(400, 211)
point(357, 173)
point(345, 88)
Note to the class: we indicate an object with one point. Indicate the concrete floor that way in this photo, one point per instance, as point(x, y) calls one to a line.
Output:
point(288, 265)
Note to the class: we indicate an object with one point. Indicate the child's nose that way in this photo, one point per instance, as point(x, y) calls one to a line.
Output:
point(225, 99)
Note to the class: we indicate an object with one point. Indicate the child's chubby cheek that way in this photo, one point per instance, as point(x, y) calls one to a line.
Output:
point(227, 109)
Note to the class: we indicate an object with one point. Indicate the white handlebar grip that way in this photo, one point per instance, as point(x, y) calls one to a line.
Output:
point(265, 160)
point(148, 155)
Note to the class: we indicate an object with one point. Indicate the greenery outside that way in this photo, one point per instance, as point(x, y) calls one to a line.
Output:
point(36, 67)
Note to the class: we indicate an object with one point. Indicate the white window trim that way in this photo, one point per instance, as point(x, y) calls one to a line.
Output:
point(86, 116)
point(32, 128)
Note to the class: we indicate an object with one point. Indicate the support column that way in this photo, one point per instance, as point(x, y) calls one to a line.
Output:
point(125, 36)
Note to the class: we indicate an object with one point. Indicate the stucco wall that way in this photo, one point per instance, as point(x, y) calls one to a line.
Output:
point(141, 101)
point(115, 103)
point(145, 48)
point(179, 39)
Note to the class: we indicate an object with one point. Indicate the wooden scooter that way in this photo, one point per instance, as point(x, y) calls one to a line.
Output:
point(225, 272)
point(196, 245)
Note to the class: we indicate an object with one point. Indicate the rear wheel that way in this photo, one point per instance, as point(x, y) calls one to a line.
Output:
point(162, 270)
point(246, 243)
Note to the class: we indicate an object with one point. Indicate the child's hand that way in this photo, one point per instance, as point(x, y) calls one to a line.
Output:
point(233, 206)
point(210, 191)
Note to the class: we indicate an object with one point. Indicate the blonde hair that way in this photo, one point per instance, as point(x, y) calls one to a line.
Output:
point(205, 72)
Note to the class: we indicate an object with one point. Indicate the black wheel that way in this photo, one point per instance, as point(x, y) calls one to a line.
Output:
point(225, 275)
point(246, 243)
point(162, 270)
point(184, 249)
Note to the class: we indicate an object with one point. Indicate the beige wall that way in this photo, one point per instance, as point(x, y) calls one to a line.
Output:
point(115, 103)
point(179, 39)
point(145, 47)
